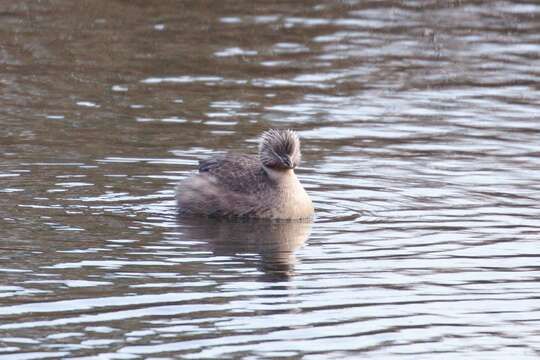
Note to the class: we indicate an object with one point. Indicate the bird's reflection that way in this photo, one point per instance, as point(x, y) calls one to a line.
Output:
point(273, 243)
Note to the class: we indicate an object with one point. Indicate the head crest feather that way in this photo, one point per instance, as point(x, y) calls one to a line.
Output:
point(280, 149)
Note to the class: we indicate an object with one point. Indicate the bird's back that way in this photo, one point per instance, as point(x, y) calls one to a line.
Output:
point(227, 185)
point(235, 172)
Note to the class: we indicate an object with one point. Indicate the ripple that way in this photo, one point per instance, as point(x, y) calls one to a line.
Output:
point(181, 79)
point(420, 148)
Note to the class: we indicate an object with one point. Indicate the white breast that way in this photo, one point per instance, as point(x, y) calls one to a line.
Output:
point(293, 201)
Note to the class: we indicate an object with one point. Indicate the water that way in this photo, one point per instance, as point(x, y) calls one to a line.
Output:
point(421, 145)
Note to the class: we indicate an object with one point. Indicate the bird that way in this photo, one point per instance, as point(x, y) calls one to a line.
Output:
point(249, 186)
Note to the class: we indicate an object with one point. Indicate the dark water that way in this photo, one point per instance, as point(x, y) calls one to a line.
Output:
point(421, 144)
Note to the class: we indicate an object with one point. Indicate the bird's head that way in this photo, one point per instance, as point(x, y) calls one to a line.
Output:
point(280, 149)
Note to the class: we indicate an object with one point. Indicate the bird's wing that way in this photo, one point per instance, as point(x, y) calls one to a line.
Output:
point(234, 172)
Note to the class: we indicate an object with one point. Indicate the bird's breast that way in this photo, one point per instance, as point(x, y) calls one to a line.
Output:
point(293, 201)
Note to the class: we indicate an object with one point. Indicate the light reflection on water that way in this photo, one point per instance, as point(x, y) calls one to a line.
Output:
point(420, 134)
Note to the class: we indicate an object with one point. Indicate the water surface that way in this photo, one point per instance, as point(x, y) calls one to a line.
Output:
point(421, 143)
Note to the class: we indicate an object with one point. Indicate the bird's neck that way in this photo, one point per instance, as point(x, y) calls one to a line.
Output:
point(280, 176)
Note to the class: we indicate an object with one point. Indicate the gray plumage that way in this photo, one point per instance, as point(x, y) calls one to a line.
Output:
point(280, 148)
point(235, 185)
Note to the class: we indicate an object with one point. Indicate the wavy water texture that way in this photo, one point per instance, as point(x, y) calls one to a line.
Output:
point(421, 144)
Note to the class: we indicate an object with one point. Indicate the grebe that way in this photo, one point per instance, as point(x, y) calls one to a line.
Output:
point(236, 185)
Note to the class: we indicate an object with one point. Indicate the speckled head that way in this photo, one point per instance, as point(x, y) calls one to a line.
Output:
point(280, 149)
